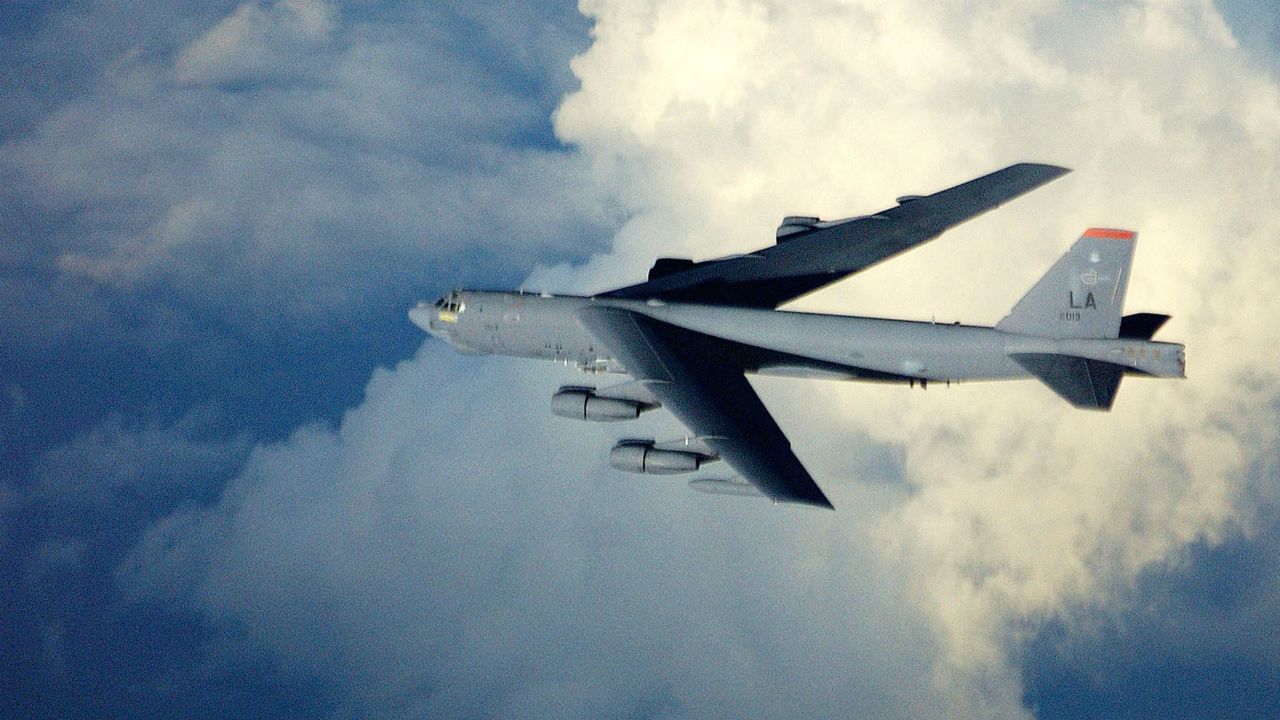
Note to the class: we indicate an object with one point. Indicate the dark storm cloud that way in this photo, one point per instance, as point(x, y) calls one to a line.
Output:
point(236, 203)
point(114, 463)
point(69, 640)
point(289, 147)
point(1195, 638)
point(1192, 636)
point(214, 218)
point(204, 190)
point(229, 191)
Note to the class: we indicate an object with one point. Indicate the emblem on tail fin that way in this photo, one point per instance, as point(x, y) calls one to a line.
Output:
point(1091, 278)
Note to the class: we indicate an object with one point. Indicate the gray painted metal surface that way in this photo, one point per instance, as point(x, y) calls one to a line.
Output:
point(690, 334)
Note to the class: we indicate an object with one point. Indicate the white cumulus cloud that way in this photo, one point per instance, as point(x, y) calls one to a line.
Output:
point(470, 554)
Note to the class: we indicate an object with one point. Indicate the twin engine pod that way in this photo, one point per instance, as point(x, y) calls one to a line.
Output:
point(582, 403)
point(641, 456)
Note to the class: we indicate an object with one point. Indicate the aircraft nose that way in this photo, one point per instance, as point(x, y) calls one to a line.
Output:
point(423, 315)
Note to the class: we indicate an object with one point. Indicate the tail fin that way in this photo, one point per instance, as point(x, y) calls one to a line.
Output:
point(1082, 295)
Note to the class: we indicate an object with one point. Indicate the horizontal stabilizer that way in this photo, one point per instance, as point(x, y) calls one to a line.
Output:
point(1082, 382)
point(1141, 326)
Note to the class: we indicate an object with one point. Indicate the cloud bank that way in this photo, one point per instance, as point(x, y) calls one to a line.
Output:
point(448, 548)
point(214, 215)
point(1023, 509)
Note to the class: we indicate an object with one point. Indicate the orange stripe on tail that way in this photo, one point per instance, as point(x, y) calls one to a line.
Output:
point(1109, 233)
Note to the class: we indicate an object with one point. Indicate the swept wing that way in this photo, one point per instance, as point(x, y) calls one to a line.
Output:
point(811, 256)
point(701, 381)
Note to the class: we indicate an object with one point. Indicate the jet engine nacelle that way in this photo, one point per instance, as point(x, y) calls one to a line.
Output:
point(643, 457)
point(583, 404)
point(795, 224)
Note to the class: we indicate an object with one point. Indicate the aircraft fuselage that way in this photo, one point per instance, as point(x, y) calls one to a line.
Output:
point(689, 331)
point(776, 342)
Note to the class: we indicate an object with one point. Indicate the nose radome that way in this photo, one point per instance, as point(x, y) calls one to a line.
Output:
point(422, 315)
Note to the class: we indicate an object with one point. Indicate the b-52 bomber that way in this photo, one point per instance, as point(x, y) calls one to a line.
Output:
point(688, 335)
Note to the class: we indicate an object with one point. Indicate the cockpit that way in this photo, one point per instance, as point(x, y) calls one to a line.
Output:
point(451, 304)
point(440, 317)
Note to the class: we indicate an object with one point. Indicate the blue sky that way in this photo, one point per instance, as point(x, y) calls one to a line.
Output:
point(237, 481)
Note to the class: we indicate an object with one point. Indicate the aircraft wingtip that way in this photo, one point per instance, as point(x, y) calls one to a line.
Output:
point(1052, 168)
point(820, 501)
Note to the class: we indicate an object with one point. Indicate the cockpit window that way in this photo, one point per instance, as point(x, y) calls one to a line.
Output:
point(451, 303)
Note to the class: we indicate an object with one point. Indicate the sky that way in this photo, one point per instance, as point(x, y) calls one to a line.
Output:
point(236, 481)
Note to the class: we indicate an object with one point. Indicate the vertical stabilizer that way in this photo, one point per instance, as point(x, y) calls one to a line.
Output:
point(1082, 295)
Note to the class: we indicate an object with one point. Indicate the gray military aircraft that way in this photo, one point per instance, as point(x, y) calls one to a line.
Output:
point(689, 333)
